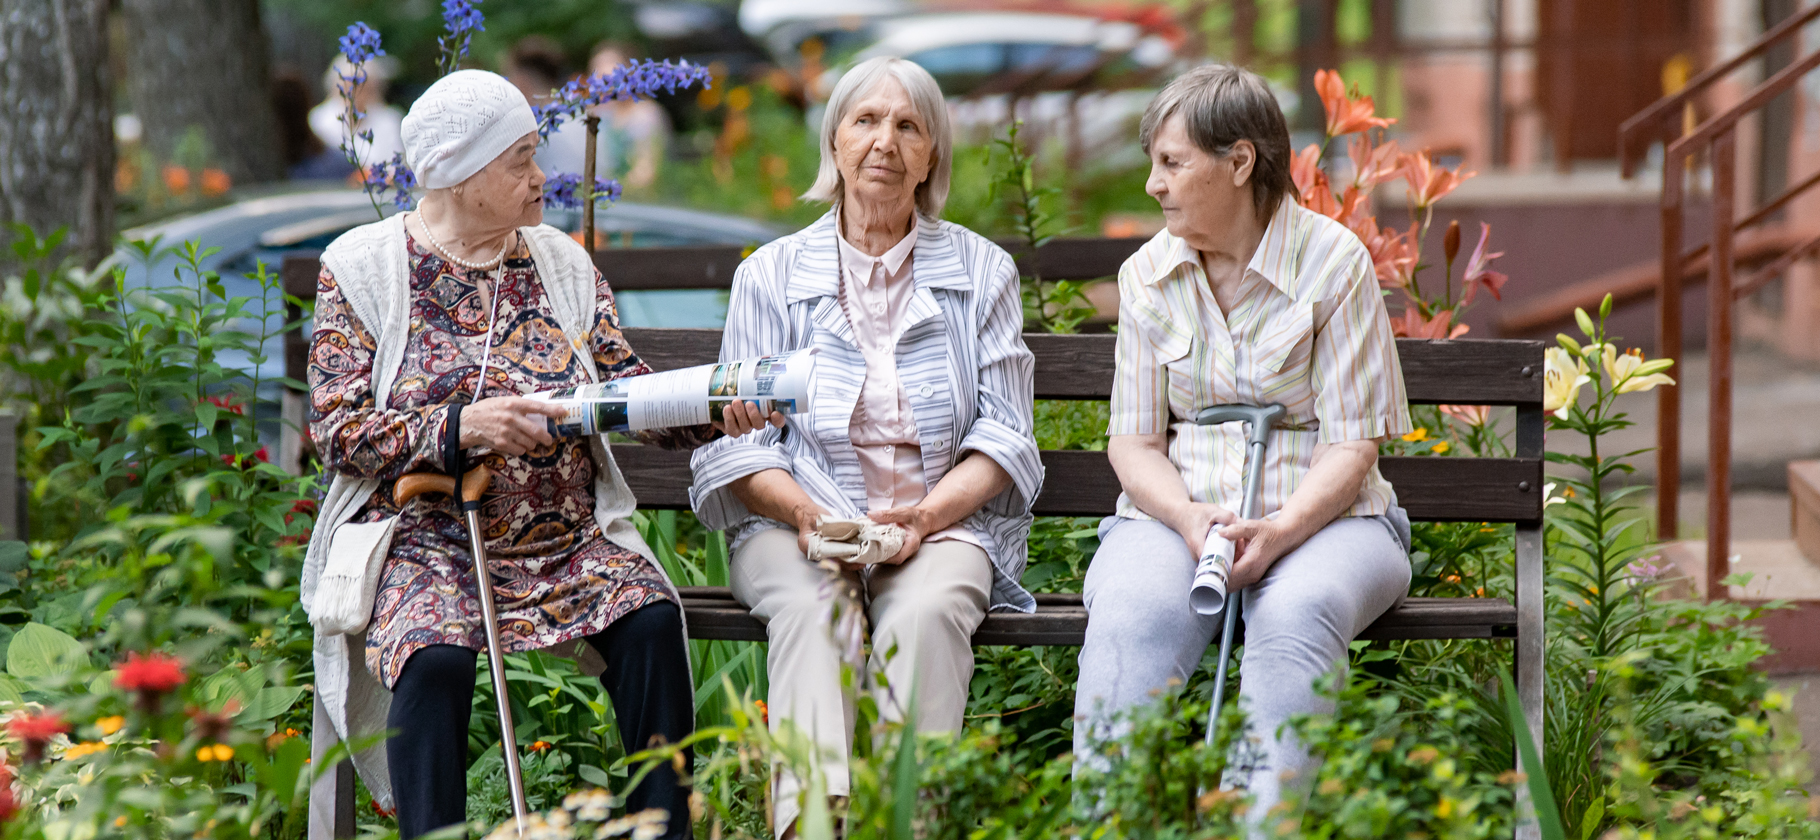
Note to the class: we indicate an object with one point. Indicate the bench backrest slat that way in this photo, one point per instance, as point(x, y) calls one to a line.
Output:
point(1080, 367)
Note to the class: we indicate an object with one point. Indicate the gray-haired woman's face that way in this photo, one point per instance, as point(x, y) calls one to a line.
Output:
point(1202, 195)
point(882, 146)
point(507, 193)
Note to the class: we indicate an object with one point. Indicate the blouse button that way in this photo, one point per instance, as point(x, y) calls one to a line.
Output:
point(928, 391)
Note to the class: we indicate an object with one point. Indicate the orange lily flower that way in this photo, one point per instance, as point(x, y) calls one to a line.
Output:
point(1346, 114)
point(1478, 270)
point(1393, 254)
point(1429, 183)
point(1372, 165)
point(1412, 325)
point(1319, 197)
point(1302, 170)
point(1471, 415)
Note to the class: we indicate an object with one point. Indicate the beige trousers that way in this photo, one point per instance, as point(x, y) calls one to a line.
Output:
point(922, 615)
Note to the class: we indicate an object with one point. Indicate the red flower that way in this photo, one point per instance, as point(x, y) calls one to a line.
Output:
point(9, 806)
point(306, 507)
point(381, 809)
point(152, 674)
point(227, 404)
point(1346, 114)
point(263, 456)
point(36, 730)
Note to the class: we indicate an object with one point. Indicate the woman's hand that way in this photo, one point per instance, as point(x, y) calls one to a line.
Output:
point(1258, 545)
point(508, 425)
point(808, 517)
point(917, 524)
point(1193, 520)
point(741, 417)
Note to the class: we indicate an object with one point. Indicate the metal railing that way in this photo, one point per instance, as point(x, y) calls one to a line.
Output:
point(1717, 137)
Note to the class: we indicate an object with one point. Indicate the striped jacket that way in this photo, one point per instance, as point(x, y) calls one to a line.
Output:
point(961, 360)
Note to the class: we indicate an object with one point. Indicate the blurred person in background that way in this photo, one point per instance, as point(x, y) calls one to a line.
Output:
point(369, 98)
point(633, 133)
point(537, 66)
point(306, 157)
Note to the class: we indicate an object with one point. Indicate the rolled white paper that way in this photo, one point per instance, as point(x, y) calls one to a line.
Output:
point(1208, 596)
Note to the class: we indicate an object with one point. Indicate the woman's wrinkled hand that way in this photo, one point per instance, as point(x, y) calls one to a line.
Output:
point(808, 517)
point(917, 524)
point(1259, 544)
point(508, 425)
point(1195, 519)
point(742, 417)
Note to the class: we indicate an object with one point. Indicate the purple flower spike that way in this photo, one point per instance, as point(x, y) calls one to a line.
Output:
point(360, 44)
point(1649, 568)
point(632, 80)
point(460, 17)
point(460, 20)
point(564, 190)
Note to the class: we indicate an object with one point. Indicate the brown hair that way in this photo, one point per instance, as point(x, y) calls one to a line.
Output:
point(1220, 105)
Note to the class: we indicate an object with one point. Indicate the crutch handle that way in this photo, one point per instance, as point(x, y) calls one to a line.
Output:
point(473, 485)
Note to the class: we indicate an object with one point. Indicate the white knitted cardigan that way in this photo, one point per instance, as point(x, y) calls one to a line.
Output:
point(372, 268)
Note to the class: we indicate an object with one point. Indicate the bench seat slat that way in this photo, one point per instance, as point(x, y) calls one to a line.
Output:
point(1083, 484)
point(1060, 619)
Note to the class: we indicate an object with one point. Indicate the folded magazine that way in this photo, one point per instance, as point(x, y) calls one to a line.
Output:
point(687, 397)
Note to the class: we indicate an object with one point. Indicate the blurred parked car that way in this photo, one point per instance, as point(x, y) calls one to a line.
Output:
point(264, 229)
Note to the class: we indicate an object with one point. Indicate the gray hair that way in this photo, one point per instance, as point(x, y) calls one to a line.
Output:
point(1220, 105)
point(925, 95)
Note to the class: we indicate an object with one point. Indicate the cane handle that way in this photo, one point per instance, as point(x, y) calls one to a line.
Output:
point(473, 485)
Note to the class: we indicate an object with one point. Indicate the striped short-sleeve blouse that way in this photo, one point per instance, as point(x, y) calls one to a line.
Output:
point(1307, 329)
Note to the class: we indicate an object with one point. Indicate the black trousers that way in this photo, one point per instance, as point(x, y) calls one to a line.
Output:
point(647, 678)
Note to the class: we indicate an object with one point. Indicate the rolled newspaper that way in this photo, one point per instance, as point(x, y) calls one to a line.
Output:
point(687, 397)
point(1208, 596)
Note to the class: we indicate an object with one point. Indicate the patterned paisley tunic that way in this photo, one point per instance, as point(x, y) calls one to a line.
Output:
point(555, 575)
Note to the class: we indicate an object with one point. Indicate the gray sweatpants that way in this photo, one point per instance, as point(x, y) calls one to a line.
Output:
point(1141, 632)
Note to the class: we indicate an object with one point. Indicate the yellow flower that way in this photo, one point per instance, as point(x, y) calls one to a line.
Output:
point(110, 724)
point(205, 753)
point(1417, 436)
point(1562, 376)
point(1629, 373)
point(223, 752)
point(82, 749)
point(1441, 448)
point(1445, 809)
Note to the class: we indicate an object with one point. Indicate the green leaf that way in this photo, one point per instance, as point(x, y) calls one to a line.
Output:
point(594, 776)
point(39, 651)
point(12, 691)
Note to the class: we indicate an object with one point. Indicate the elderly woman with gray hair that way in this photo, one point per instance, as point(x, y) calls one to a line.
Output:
point(921, 417)
point(431, 328)
point(1245, 298)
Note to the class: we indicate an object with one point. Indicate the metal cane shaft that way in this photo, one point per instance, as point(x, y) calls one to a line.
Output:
point(1251, 508)
point(496, 662)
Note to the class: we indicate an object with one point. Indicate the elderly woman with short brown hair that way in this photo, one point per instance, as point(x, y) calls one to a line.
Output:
point(921, 417)
point(1249, 298)
point(431, 328)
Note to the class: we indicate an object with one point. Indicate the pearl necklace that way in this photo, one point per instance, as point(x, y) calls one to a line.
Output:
point(489, 265)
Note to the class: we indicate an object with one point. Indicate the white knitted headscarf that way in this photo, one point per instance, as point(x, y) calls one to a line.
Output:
point(458, 126)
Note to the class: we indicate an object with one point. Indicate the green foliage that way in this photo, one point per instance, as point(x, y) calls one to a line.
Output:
point(1049, 306)
point(411, 29)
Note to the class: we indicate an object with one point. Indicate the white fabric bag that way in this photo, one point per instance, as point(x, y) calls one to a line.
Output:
point(350, 578)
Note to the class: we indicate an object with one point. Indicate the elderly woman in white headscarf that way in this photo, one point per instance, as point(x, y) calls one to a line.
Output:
point(431, 328)
point(921, 417)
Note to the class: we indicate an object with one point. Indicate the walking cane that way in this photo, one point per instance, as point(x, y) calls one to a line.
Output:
point(1261, 419)
point(474, 485)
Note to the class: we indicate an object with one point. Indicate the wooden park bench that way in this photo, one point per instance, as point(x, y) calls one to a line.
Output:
point(1080, 483)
